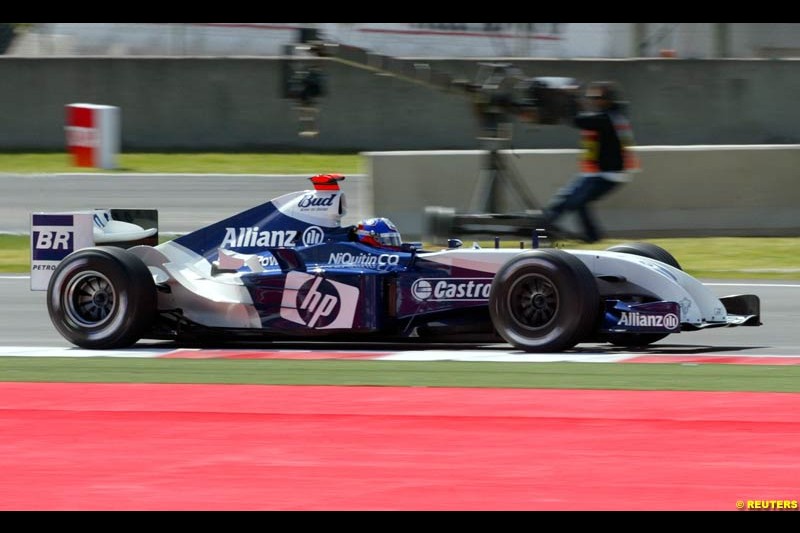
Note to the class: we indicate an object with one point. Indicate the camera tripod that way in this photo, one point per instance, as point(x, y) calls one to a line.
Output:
point(487, 215)
point(495, 175)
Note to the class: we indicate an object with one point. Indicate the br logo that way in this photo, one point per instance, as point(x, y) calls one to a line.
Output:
point(317, 302)
point(53, 240)
point(52, 245)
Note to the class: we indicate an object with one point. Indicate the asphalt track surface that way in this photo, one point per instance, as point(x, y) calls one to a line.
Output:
point(185, 202)
point(188, 202)
point(24, 322)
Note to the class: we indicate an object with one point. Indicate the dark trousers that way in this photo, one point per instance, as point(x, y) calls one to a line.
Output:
point(576, 196)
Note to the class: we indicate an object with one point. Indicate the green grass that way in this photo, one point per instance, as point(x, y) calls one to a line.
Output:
point(15, 253)
point(711, 377)
point(222, 163)
point(774, 258)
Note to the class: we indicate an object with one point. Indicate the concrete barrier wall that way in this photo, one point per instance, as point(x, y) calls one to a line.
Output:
point(681, 190)
point(224, 103)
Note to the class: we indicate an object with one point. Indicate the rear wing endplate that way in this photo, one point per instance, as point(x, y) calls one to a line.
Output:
point(56, 235)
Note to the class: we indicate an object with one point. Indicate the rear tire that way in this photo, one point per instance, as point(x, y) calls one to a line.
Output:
point(102, 298)
point(544, 300)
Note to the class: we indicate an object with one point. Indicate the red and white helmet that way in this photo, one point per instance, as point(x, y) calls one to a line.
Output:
point(378, 232)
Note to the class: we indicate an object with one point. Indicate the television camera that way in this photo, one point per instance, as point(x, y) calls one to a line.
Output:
point(499, 93)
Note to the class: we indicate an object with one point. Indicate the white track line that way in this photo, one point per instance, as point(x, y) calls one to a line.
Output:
point(505, 356)
point(785, 285)
point(509, 357)
point(46, 351)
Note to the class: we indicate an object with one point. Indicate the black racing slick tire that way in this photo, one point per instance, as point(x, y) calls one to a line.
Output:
point(544, 300)
point(652, 251)
point(102, 298)
point(646, 249)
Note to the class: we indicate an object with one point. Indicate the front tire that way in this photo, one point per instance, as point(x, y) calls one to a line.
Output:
point(651, 251)
point(646, 249)
point(545, 300)
point(102, 298)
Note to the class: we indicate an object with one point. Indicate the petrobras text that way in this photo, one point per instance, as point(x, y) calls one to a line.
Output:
point(455, 289)
point(374, 262)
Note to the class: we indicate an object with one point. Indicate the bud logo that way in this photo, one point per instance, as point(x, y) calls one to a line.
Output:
point(455, 289)
point(364, 260)
point(317, 302)
point(318, 201)
point(669, 321)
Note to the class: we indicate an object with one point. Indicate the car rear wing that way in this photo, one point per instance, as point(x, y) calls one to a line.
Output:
point(56, 235)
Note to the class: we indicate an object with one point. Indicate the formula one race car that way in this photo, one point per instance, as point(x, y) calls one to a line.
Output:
point(287, 269)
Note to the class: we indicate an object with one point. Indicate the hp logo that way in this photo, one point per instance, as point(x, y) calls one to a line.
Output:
point(318, 303)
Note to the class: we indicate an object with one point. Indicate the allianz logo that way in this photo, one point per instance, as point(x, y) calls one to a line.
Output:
point(668, 321)
point(363, 260)
point(455, 289)
point(251, 237)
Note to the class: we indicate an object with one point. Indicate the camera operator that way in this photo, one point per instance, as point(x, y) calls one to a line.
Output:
point(606, 161)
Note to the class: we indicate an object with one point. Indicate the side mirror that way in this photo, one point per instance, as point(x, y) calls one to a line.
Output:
point(410, 246)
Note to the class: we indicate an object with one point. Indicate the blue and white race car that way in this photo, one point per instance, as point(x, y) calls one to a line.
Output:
point(288, 269)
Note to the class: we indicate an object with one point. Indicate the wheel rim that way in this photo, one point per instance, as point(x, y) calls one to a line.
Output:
point(90, 299)
point(533, 302)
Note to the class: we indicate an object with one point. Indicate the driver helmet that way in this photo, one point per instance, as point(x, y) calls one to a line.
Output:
point(378, 232)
